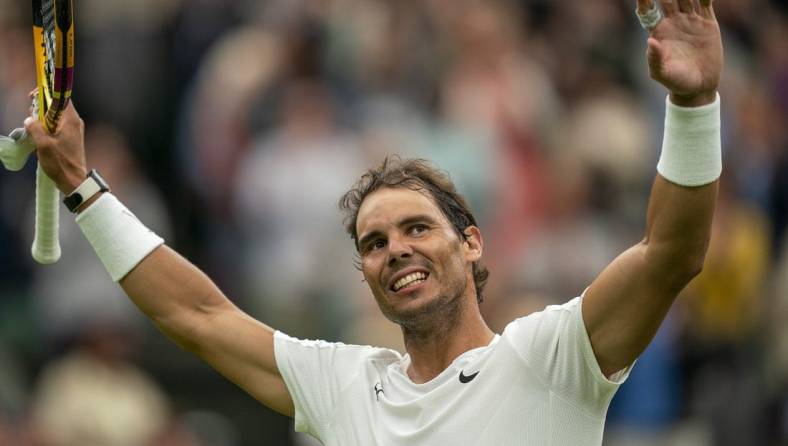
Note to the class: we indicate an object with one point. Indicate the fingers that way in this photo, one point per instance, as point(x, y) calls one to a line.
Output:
point(686, 6)
point(644, 6)
point(669, 7)
point(33, 95)
point(36, 130)
point(648, 14)
point(62, 154)
point(32, 126)
point(72, 120)
point(672, 7)
point(69, 122)
point(707, 9)
point(70, 113)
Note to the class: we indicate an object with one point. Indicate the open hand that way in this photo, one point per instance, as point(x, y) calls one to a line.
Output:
point(685, 50)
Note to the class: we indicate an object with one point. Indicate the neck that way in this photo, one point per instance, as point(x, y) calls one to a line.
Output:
point(433, 348)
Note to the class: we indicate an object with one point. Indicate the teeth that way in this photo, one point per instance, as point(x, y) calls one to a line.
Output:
point(410, 278)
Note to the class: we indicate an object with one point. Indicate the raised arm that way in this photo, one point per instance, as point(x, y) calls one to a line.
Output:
point(182, 301)
point(625, 305)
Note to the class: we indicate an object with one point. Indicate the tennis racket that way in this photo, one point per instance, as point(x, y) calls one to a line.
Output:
point(53, 37)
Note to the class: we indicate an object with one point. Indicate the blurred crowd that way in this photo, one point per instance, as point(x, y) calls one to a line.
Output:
point(232, 127)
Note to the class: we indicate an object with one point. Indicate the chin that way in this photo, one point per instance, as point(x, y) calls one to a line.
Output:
point(420, 308)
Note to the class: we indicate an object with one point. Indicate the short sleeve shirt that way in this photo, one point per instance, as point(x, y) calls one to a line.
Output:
point(538, 383)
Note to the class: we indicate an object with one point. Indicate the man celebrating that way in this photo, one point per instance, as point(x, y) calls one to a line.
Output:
point(547, 379)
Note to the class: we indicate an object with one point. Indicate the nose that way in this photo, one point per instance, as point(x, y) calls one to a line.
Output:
point(398, 249)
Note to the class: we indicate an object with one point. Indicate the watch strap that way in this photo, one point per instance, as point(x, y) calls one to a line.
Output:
point(92, 185)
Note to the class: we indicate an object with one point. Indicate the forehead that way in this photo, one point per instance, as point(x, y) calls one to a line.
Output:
point(388, 206)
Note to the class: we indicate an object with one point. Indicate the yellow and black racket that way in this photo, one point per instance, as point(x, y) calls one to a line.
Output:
point(53, 36)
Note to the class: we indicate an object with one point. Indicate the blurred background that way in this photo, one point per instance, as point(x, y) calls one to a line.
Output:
point(232, 127)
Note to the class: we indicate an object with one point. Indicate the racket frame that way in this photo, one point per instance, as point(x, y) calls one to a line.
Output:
point(54, 82)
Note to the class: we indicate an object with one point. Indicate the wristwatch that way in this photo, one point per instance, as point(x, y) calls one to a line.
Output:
point(90, 187)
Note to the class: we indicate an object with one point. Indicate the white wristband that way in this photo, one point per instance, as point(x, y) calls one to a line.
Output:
point(691, 149)
point(118, 237)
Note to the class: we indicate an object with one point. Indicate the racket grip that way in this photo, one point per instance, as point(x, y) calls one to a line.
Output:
point(46, 246)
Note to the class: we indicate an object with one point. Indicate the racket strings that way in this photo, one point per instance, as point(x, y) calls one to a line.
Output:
point(48, 14)
point(48, 26)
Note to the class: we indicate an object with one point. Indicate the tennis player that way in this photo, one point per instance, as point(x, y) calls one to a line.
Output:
point(547, 379)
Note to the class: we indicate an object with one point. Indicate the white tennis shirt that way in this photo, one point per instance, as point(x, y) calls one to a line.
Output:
point(536, 384)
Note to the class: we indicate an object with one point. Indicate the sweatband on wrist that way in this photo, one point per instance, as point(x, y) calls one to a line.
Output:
point(118, 237)
point(691, 149)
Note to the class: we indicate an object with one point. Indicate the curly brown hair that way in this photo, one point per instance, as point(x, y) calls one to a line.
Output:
point(417, 175)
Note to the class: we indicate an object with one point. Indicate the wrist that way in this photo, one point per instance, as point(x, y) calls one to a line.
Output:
point(120, 240)
point(70, 182)
point(87, 192)
point(693, 100)
point(691, 148)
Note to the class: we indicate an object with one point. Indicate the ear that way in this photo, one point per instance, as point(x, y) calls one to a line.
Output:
point(473, 244)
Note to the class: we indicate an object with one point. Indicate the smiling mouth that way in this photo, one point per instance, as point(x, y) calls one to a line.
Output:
point(409, 280)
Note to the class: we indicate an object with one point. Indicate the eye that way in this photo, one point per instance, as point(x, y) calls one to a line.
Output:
point(418, 228)
point(376, 245)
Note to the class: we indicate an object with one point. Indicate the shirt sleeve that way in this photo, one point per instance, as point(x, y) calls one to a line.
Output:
point(315, 373)
point(554, 343)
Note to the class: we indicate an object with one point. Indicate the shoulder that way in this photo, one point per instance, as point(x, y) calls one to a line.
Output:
point(331, 367)
point(337, 353)
point(553, 316)
point(554, 343)
point(556, 330)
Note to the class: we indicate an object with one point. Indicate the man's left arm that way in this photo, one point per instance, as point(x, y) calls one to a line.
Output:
point(625, 305)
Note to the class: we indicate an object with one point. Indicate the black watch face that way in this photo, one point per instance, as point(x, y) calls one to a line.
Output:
point(73, 201)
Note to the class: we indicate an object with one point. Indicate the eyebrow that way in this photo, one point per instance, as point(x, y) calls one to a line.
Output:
point(419, 218)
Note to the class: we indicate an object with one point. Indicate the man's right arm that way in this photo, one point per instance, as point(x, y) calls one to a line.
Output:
point(183, 302)
point(191, 310)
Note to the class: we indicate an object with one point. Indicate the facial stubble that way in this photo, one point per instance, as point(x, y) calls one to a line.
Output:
point(437, 316)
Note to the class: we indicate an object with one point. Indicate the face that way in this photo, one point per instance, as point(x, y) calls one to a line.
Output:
point(413, 260)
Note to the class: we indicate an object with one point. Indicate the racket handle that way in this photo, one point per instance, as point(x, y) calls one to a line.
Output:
point(46, 246)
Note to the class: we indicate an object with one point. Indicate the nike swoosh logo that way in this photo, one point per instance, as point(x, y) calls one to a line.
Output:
point(466, 379)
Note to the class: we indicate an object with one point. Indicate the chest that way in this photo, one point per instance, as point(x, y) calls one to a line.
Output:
point(494, 401)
